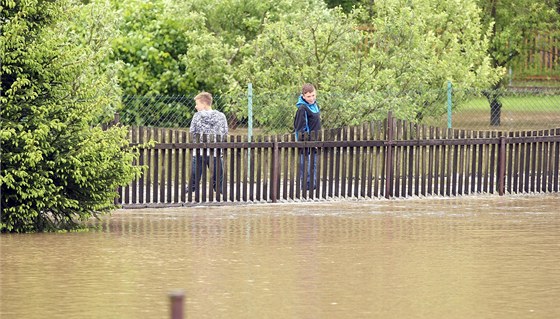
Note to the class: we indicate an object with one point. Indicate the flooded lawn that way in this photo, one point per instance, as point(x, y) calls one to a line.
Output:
point(470, 257)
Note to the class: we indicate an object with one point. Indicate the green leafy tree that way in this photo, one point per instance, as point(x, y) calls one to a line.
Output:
point(413, 49)
point(164, 49)
point(512, 22)
point(171, 48)
point(346, 5)
point(58, 167)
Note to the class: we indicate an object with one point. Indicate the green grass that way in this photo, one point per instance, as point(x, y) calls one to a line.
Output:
point(545, 103)
point(518, 113)
point(536, 83)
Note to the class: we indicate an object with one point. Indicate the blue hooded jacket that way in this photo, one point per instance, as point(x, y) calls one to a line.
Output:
point(308, 117)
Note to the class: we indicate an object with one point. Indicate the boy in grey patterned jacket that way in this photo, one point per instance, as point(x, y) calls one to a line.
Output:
point(213, 124)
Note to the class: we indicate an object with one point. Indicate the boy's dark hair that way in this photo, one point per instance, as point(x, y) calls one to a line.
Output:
point(307, 88)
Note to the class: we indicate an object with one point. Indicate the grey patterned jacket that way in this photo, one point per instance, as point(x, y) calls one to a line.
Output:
point(212, 123)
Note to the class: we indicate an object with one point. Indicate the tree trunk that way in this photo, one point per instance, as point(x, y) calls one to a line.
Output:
point(495, 111)
point(495, 107)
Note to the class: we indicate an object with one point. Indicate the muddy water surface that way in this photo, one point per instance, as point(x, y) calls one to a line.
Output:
point(471, 257)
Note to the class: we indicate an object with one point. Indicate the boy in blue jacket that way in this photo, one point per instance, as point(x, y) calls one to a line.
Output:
point(307, 120)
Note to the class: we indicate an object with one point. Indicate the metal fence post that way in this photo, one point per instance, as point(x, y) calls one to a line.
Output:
point(449, 104)
point(250, 110)
point(250, 124)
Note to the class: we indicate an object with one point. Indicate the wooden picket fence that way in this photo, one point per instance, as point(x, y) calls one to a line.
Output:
point(387, 159)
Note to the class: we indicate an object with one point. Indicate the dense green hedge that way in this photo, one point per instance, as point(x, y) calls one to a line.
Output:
point(58, 167)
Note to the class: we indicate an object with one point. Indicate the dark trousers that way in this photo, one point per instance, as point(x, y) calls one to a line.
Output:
point(202, 162)
point(308, 168)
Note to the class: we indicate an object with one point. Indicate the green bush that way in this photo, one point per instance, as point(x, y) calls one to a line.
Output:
point(58, 167)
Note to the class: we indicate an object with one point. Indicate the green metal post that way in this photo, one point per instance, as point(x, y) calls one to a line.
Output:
point(250, 124)
point(449, 104)
point(250, 110)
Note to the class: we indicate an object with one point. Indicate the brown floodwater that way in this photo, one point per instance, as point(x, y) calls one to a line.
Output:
point(469, 257)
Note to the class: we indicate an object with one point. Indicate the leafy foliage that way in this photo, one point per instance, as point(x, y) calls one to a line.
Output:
point(58, 166)
point(513, 22)
point(414, 48)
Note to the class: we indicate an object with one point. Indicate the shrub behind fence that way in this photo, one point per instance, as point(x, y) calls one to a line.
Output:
point(254, 114)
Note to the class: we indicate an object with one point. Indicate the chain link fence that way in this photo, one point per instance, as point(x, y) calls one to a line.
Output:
point(255, 113)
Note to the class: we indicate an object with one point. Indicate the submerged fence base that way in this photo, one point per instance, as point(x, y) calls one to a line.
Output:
point(385, 159)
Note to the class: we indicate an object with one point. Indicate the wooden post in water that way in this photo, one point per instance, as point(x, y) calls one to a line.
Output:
point(389, 157)
point(502, 166)
point(177, 299)
point(275, 171)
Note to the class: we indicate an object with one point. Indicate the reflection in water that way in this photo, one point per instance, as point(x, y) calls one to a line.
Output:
point(472, 257)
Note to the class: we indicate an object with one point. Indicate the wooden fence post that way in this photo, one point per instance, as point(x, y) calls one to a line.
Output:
point(502, 166)
point(389, 157)
point(177, 300)
point(275, 169)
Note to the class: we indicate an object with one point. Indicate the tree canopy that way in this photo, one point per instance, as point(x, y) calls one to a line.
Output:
point(58, 167)
point(401, 62)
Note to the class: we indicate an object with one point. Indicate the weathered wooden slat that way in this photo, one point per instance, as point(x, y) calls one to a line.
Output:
point(150, 165)
point(556, 161)
point(238, 169)
point(337, 166)
point(431, 163)
point(157, 167)
point(251, 172)
point(259, 170)
point(532, 163)
point(468, 161)
point(243, 167)
point(416, 159)
point(423, 174)
point(268, 166)
point(437, 163)
point(510, 153)
point(324, 181)
point(480, 152)
point(285, 153)
point(362, 164)
point(176, 170)
point(546, 164)
point(331, 173)
point(523, 167)
point(388, 193)
point(539, 172)
point(461, 164)
point(410, 180)
point(141, 162)
point(379, 174)
point(169, 178)
point(351, 159)
point(501, 166)
point(231, 170)
point(370, 162)
point(397, 167)
point(185, 169)
point(443, 165)
point(343, 163)
point(516, 165)
point(315, 192)
point(190, 154)
point(293, 167)
point(275, 170)
point(452, 169)
point(164, 169)
point(493, 166)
